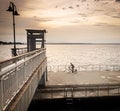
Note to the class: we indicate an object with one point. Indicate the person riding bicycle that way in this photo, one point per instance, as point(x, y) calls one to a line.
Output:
point(72, 67)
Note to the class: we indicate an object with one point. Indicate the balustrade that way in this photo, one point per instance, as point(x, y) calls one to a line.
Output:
point(15, 72)
point(65, 68)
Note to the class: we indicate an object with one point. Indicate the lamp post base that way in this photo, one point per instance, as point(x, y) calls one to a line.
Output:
point(14, 52)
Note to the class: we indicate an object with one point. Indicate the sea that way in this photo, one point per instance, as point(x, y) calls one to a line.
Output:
point(62, 55)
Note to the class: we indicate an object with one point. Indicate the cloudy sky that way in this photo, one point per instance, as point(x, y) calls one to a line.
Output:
point(65, 20)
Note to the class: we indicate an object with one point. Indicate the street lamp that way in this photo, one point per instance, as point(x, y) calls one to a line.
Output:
point(12, 8)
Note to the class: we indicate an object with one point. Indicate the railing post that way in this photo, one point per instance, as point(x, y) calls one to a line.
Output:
point(65, 92)
point(1, 95)
point(118, 90)
point(86, 92)
point(72, 92)
point(98, 94)
point(99, 67)
point(51, 93)
point(58, 68)
point(79, 68)
point(108, 91)
point(0, 68)
point(46, 74)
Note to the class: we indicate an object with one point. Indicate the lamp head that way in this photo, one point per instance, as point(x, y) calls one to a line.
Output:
point(16, 13)
point(10, 9)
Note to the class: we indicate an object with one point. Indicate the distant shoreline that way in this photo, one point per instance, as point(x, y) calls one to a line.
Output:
point(20, 43)
point(10, 43)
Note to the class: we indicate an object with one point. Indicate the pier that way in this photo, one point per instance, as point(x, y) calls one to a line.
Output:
point(22, 74)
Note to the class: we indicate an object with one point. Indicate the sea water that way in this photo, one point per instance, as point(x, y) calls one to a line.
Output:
point(77, 54)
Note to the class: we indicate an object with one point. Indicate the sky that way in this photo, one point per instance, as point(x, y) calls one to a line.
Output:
point(76, 21)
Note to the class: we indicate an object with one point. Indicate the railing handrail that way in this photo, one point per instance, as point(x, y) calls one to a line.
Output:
point(16, 65)
point(12, 60)
point(83, 85)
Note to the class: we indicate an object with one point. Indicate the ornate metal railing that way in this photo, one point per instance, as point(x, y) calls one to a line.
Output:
point(20, 51)
point(65, 68)
point(15, 72)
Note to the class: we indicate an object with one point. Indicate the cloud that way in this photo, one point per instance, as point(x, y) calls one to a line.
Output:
point(1, 19)
point(77, 5)
point(99, 10)
point(83, 15)
point(42, 19)
point(70, 7)
point(83, 0)
point(101, 24)
point(63, 8)
point(117, 0)
point(115, 16)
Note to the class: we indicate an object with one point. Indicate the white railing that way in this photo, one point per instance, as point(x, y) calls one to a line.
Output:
point(15, 72)
point(19, 51)
point(65, 68)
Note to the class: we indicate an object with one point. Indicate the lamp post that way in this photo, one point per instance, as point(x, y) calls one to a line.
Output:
point(12, 8)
